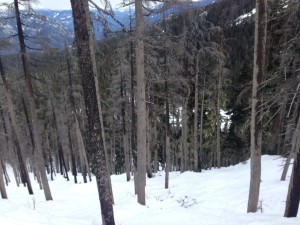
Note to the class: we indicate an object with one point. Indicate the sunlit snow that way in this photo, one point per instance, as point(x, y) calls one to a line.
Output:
point(213, 197)
point(241, 18)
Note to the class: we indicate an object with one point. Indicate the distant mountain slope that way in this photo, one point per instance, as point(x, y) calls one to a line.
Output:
point(51, 28)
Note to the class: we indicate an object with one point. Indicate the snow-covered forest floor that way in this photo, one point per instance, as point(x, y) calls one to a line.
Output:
point(214, 197)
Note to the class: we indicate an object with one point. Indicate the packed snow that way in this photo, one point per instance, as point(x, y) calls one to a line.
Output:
point(213, 197)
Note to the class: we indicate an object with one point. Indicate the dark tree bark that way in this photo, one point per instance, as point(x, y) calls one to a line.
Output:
point(87, 65)
point(292, 202)
point(293, 197)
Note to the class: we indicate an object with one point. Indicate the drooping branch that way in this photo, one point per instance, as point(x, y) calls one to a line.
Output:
point(124, 29)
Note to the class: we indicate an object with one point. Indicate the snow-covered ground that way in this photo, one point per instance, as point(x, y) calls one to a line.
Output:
point(215, 197)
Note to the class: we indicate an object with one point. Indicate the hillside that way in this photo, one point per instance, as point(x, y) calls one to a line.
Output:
point(48, 28)
point(214, 197)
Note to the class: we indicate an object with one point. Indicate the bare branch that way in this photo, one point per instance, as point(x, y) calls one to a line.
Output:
point(124, 29)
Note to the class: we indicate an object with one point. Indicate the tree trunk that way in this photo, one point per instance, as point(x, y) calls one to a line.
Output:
point(125, 133)
point(82, 154)
point(149, 140)
point(288, 136)
point(218, 150)
point(141, 104)
point(81, 150)
point(196, 105)
point(19, 144)
point(293, 197)
point(73, 160)
point(184, 138)
point(63, 166)
point(87, 65)
point(256, 113)
point(286, 166)
point(2, 184)
point(168, 155)
point(155, 149)
point(201, 127)
point(32, 107)
point(292, 202)
point(34, 160)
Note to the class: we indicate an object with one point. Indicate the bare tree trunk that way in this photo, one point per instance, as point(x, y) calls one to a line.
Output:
point(218, 150)
point(82, 153)
point(32, 107)
point(34, 160)
point(87, 65)
point(155, 149)
point(286, 166)
point(19, 144)
point(81, 150)
point(73, 160)
point(49, 150)
point(201, 127)
point(2, 184)
point(125, 133)
point(288, 135)
point(149, 140)
point(256, 113)
point(133, 141)
point(6, 177)
point(293, 197)
point(184, 138)
point(141, 104)
point(196, 105)
point(63, 166)
point(168, 155)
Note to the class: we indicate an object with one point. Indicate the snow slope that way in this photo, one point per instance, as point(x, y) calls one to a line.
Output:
point(215, 197)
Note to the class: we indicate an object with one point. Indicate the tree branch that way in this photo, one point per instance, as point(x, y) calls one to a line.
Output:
point(124, 29)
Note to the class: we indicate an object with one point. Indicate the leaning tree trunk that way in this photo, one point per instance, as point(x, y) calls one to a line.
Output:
point(141, 104)
point(293, 197)
point(34, 163)
point(32, 107)
point(17, 136)
point(87, 65)
point(2, 184)
point(288, 135)
point(256, 113)
point(81, 150)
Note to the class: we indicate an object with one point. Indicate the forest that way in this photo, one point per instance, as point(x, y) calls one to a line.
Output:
point(202, 88)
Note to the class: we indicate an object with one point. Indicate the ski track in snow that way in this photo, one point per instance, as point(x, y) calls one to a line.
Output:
point(213, 197)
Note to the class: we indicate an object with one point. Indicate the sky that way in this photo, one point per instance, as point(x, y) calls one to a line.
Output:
point(58, 4)
point(54, 4)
